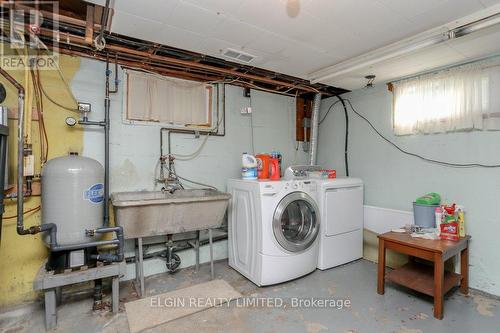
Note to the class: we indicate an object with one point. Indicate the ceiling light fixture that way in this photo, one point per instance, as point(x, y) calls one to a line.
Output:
point(402, 48)
point(370, 79)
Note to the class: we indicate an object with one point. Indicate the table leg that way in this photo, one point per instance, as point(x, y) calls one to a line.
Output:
point(210, 241)
point(50, 309)
point(381, 267)
point(438, 286)
point(141, 266)
point(464, 271)
point(115, 292)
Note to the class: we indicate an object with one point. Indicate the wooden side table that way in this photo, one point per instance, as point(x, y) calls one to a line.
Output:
point(420, 277)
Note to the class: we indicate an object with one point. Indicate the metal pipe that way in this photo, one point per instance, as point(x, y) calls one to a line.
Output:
point(51, 228)
point(3, 166)
point(314, 129)
point(115, 89)
point(104, 20)
point(119, 256)
point(107, 102)
point(106, 124)
point(20, 157)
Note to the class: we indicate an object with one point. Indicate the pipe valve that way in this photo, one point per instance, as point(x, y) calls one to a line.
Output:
point(90, 232)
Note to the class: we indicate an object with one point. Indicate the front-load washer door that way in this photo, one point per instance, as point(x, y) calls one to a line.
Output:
point(296, 222)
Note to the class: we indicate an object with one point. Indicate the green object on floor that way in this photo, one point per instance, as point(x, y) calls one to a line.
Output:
point(429, 199)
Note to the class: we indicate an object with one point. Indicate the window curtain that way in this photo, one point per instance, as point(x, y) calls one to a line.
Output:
point(458, 99)
point(170, 101)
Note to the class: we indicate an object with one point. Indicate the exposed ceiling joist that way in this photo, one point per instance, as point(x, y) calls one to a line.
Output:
point(73, 36)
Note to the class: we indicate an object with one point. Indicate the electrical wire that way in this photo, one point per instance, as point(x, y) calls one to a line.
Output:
point(346, 140)
point(32, 210)
point(328, 111)
point(195, 182)
point(193, 155)
point(44, 141)
point(426, 159)
point(66, 84)
point(55, 102)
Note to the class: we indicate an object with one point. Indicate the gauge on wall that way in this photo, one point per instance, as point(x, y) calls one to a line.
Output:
point(70, 121)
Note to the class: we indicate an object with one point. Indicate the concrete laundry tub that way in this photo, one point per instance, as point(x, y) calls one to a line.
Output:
point(152, 213)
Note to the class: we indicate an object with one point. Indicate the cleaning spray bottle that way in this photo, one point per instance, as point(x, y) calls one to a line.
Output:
point(461, 221)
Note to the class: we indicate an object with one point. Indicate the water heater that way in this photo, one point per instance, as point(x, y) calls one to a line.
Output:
point(72, 197)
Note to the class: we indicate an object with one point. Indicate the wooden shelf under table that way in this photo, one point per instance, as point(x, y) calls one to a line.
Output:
point(420, 277)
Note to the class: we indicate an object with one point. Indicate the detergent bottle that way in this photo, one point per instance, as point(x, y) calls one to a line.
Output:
point(248, 166)
point(263, 165)
point(275, 169)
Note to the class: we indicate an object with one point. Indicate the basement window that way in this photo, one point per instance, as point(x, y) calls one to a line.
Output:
point(459, 99)
point(171, 102)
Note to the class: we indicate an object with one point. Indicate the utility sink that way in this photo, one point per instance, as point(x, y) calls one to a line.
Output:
point(154, 213)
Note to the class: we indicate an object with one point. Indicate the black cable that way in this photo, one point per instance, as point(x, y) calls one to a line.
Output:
point(447, 164)
point(328, 111)
point(346, 141)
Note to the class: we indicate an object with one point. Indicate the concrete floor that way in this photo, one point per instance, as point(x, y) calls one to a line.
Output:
point(397, 311)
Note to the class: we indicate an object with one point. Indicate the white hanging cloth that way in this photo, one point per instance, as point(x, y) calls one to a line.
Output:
point(457, 99)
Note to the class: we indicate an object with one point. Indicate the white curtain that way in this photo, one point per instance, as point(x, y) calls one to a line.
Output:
point(169, 101)
point(462, 98)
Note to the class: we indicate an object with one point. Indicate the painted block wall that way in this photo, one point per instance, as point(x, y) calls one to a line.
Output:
point(22, 256)
point(394, 180)
point(135, 149)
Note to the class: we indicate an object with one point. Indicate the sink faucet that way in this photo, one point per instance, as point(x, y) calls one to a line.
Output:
point(172, 187)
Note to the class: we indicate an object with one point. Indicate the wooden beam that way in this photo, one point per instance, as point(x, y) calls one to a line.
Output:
point(299, 119)
point(89, 27)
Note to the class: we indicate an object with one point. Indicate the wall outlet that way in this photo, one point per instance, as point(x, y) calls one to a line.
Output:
point(84, 107)
point(246, 110)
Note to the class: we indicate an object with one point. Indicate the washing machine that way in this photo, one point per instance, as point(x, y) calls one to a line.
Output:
point(340, 202)
point(273, 229)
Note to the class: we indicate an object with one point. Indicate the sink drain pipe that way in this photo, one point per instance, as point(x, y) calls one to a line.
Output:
point(314, 129)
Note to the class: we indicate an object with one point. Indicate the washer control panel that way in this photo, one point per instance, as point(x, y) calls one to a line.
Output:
point(300, 185)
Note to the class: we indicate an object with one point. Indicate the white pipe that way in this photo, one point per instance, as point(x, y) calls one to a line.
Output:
point(314, 129)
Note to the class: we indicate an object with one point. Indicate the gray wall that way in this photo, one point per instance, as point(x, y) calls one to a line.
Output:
point(394, 180)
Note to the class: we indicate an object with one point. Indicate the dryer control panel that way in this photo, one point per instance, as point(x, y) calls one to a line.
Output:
point(300, 171)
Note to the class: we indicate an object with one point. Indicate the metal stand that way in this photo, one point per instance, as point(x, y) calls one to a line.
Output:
point(51, 285)
point(139, 260)
point(4, 132)
point(210, 241)
point(139, 268)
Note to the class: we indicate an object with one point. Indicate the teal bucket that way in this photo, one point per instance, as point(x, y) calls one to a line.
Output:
point(424, 215)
